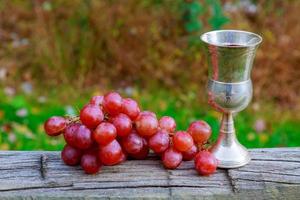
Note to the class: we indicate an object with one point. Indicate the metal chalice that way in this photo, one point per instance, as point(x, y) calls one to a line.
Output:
point(230, 59)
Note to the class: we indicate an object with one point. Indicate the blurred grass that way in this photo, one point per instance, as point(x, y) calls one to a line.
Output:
point(56, 54)
point(256, 126)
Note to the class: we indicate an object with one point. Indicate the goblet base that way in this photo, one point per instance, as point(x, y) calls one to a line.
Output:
point(231, 156)
point(227, 149)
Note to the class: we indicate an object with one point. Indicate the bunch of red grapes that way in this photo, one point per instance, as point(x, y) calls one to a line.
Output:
point(111, 129)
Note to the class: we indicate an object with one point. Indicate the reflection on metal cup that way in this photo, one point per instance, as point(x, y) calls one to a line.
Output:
point(230, 59)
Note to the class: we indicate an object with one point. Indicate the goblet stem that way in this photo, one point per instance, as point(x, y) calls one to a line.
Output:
point(229, 152)
point(227, 131)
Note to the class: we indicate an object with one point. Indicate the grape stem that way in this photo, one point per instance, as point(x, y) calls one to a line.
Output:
point(72, 119)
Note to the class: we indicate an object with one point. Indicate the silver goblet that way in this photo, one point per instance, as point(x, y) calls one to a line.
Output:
point(230, 58)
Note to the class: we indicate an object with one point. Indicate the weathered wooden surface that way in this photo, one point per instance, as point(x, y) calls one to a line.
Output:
point(272, 174)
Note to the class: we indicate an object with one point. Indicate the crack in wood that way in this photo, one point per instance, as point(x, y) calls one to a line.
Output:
point(43, 166)
point(120, 181)
point(137, 186)
point(169, 183)
point(269, 172)
point(267, 181)
point(274, 160)
point(231, 180)
point(37, 187)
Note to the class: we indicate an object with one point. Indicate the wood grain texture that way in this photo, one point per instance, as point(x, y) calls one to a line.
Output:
point(272, 174)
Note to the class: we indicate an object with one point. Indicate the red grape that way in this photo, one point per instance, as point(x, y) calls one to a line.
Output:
point(111, 154)
point(71, 155)
point(90, 163)
point(112, 103)
point(200, 131)
point(122, 158)
point(69, 134)
point(97, 100)
point(160, 141)
point(147, 112)
point(132, 143)
point(83, 137)
point(143, 153)
point(205, 163)
point(105, 133)
point(130, 108)
point(171, 158)
point(94, 149)
point(167, 123)
point(96, 140)
point(146, 125)
point(55, 125)
point(123, 124)
point(182, 141)
point(190, 154)
point(91, 115)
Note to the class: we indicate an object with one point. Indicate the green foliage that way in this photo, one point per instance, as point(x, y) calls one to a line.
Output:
point(193, 10)
point(217, 19)
point(25, 132)
point(21, 122)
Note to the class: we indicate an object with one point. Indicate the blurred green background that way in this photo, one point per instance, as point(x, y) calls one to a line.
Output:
point(54, 55)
